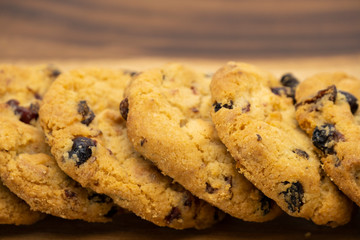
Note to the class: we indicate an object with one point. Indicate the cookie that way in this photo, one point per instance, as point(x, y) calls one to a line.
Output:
point(13, 210)
point(261, 133)
point(168, 120)
point(88, 138)
point(328, 110)
point(26, 165)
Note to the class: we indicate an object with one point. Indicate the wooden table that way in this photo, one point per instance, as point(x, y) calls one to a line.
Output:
point(302, 37)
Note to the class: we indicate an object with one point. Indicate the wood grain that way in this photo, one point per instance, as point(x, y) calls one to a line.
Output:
point(41, 29)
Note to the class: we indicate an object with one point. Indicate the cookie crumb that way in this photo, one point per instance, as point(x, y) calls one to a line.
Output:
point(307, 235)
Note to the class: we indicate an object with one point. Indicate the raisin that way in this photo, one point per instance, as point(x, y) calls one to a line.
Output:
point(188, 199)
point(352, 100)
point(324, 138)
point(265, 204)
point(217, 106)
point(13, 103)
point(288, 80)
point(69, 193)
point(124, 108)
point(54, 73)
point(210, 189)
point(26, 114)
point(229, 106)
point(259, 138)
point(99, 198)
point(111, 212)
point(143, 141)
point(194, 110)
point(82, 149)
point(246, 108)
point(85, 112)
point(131, 73)
point(301, 153)
point(194, 90)
point(294, 196)
point(174, 214)
point(331, 92)
point(229, 180)
point(284, 91)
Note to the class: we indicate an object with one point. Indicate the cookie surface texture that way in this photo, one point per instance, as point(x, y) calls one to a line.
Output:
point(328, 110)
point(169, 123)
point(26, 165)
point(261, 133)
point(88, 137)
point(13, 210)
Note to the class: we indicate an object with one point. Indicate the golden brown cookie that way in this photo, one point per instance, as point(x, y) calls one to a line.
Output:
point(329, 112)
point(168, 121)
point(26, 165)
point(255, 118)
point(88, 138)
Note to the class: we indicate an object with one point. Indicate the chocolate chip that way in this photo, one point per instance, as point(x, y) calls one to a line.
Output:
point(111, 212)
point(85, 112)
point(288, 80)
point(210, 189)
point(325, 137)
point(26, 114)
point(301, 153)
point(174, 214)
point(294, 196)
point(124, 108)
point(265, 204)
point(352, 100)
point(82, 149)
point(259, 138)
point(99, 198)
point(143, 141)
point(69, 193)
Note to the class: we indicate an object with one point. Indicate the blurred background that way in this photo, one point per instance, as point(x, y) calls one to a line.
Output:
point(211, 29)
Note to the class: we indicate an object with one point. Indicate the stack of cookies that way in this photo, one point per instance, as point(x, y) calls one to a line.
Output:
point(177, 147)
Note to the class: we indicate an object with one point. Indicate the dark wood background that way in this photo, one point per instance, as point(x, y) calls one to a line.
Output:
point(211, 29)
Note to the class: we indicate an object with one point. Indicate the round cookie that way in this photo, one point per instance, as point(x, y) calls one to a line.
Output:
point(88, 138)
point(13, 210)
point(26, 166)
point(261, 133)
point(168, 121)
point(329, 113)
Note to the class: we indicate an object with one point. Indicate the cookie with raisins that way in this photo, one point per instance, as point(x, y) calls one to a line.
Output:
point(168, 121)
point(261, 133)
point(88, 137)
point(328, 110)
point(26, 165)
